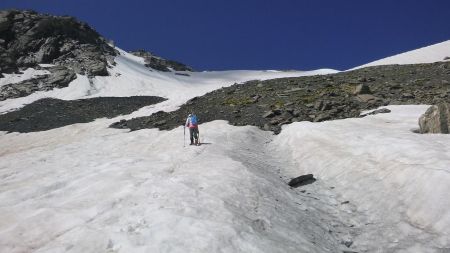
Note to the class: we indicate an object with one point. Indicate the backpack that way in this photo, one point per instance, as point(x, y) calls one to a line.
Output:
point(194, 120)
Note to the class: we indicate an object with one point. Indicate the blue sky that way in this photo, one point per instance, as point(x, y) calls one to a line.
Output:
point(261, 34)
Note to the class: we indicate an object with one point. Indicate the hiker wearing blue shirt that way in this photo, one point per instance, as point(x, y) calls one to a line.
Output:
point(192, 124)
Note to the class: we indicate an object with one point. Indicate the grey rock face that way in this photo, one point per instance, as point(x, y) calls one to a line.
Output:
point(160, 64)
point(436, 119)
point(28, 39)
point(60, 77)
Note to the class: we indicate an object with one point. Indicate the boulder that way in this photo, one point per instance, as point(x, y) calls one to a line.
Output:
point(60, 76)
point(302, 180)
point(362, 89)
point(436, 119)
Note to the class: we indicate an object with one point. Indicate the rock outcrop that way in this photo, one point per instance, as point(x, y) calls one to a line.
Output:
point(160, 64)
point(28, 39)
point(60, 77)
point(436, 119)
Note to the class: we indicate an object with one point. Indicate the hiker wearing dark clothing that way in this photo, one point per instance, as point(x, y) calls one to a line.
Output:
point(192, 124)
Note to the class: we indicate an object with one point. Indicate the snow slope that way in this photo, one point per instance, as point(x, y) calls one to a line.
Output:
point(89, 188)
point(429, 54)
point(399, 178)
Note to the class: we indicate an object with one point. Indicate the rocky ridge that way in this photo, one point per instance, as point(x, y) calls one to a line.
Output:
point(158, 63)
point(28, 39)
point(273, 103)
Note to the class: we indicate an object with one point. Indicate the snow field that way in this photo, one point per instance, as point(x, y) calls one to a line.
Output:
point(400, 179)
point(87, 188)
point(433, 53)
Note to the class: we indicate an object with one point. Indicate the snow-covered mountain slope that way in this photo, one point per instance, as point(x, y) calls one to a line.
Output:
point(90, 188)
point(87, 188)
point(130, 77)
point(429, 54)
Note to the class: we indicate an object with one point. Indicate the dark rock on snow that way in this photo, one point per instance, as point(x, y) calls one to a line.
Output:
point(158, 63)
point(302, 180)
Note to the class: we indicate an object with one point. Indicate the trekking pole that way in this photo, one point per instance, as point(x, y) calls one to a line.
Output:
point(184, 137)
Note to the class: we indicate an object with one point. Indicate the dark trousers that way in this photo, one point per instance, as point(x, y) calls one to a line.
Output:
point(193, 133)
